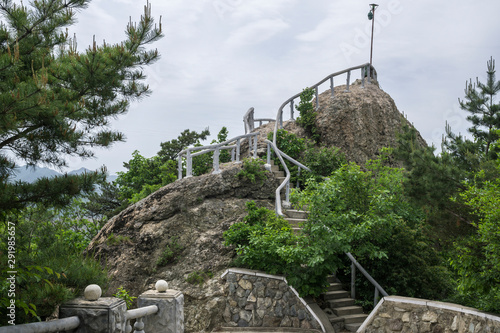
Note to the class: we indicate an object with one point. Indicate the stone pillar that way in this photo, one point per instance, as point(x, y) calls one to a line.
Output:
point(170, 315)
point(97, 314)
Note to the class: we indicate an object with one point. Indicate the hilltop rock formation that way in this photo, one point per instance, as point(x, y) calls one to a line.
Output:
point(359, 122)
point(187, 217)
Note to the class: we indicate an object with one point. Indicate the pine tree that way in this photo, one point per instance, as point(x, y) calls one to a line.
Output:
point(57, 102)
point(485, 118)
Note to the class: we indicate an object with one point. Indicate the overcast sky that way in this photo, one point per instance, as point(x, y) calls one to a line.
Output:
point(221, 57)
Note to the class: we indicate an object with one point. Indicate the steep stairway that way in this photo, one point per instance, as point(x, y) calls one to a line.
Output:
point(340, 308)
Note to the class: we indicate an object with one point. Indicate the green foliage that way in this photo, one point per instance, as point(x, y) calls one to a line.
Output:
point(144, 176)
point(253, 170)
point(307, 118)
point(168, 256)
point(264, 241)
point(199, 277)
point(367, 213)
point(49, 264)
point(57, 102)
point(170, 149)
point(477, 257)
point(484, 114)
point(321, 160)
point(123, 294)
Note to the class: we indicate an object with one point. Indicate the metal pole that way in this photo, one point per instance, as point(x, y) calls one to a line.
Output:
point(374, 6)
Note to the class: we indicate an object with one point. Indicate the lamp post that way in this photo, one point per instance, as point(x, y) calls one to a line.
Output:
point(371, 16)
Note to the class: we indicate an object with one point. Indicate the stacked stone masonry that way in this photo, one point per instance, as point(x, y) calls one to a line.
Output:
point(260, 300)
point(407, 315)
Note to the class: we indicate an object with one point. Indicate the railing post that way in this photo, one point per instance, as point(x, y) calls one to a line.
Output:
point(369, 74)
point(97, 314)
point(287, 192)
point(331, 87)
point(375, 298)
point(216, 160)
point(291, 109)
point(170, 315)
point(298, 178)
point(268, 162)
point(189, 164)
point(317, 99)
point(179, 166)
point(353, 281)
point(238, 147)
point(232, 154)
point(255, 146)
point(348, 80)
point(363, 74)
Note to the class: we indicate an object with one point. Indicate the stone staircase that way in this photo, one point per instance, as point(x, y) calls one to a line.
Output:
point(340, 308)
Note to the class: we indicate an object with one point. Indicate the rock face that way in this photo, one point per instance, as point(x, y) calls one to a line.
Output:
point(359, 122)
point(192, 213)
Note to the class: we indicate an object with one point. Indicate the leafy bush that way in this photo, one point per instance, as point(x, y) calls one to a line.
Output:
point(253, 170)
point(476, 258)
point(307, 118)
point(264, 241)
point(321, 160)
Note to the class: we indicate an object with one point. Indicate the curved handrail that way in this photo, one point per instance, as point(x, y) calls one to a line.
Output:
point(249, 120)
point(366, 70)
point(371, 71)
point(285, 182)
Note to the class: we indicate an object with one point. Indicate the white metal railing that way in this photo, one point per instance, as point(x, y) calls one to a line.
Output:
point(286, 182)
point(367, 72)
point(138, 314)
point(378, 288)
point(233, 144)
point(249, 120)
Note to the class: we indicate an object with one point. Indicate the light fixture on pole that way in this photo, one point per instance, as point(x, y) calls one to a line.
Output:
point(371, 16)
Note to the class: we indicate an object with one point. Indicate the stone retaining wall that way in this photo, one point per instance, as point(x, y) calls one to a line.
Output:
point(256, 299)
point(402, 314)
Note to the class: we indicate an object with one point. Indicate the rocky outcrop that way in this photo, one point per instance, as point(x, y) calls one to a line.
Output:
point(359, 122)
point(188, 217)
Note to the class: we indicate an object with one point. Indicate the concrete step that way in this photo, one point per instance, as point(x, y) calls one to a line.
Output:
point(275, 167)
point(335, 286)
point(354, 318)
point(336, 294)
point(347, 310)
point(352, 327)
point(341, 302)
point(279, 174)
point(296, 214)
point(332, 279)
point(295, 222)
